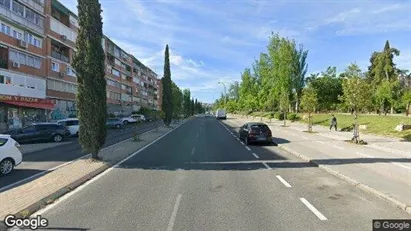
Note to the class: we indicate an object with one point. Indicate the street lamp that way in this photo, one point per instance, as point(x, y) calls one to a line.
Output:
point(225, 93)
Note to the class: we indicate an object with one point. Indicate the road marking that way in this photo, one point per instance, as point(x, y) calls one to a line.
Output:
point(335, 146)
point(248, 148)
point(283, 181)
point(401, 165)
point(304, 137)
point(320, 142)
point(237, 138)
point(198, 134)
point(79, 188)
point(313, 209)
point(242, 142)
point(362, 154)
point(266, 165)
point(255, 155)
point(192, 151)
point(174, 214)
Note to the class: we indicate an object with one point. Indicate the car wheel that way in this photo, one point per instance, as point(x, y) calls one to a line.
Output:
point(6, 166)
point(118, 126)
point(57, 138)
point(125, 122)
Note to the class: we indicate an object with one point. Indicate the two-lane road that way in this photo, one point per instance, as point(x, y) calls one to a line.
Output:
point(200, 177)
point(39, 161)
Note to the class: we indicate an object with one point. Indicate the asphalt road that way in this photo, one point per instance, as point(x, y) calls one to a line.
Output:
point(41, 160)
point(200, 177)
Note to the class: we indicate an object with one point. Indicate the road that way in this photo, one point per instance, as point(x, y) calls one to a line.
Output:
point(200, 177)
point(40, 160)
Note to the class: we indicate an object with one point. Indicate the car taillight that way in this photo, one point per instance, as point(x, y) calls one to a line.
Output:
point(17, 145)
point(252, 133)
point(269, 133)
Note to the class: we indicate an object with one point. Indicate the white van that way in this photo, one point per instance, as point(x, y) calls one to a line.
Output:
point(220, 114)
point(73, 124)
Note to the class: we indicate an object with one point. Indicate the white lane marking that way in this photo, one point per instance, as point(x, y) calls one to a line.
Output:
point(242, 142)
point(79, 188)
point(362, 154)
point(174, 214)
point(237, 138)
point(255, 155)
point(335, 146)
point(283, 181)
point(401, 165)
point(192, 151)
point(266, 165)
point(198, 134)
point(313, 209)
point(248, 148)
point(320, 142)
point(304, 137)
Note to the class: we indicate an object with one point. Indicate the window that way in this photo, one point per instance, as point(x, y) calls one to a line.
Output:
point(37, 63)
point(36, 42)
point(14, 34)
point(18, 8)
point(5, 3)
point(70, 71)
point(19, 35)
point(3, 28)
point(55, 66)
point(115, 72)
point(3, 141)
point(22, 58)
point(30, 61)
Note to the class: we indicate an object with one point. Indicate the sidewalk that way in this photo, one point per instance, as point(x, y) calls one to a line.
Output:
point(385, 175)
point(386, 144)
point(27, 198)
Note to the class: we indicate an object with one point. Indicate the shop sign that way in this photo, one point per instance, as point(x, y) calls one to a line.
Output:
point(25, 99)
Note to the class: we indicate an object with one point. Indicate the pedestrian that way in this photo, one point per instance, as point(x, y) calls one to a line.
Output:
point(333, 123)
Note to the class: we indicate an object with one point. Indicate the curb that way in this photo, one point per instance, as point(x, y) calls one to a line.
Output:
point(351, 181)
point(31, 209)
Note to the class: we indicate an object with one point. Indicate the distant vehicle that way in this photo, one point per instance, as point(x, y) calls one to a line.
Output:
point(40, 132)
point(133, 119)
point(73, 124)
point(255, 132)
point(221, 114)
point(10, 154)
point(114, 123)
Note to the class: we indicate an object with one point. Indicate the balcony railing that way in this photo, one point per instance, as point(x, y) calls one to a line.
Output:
point(7, 13)
point(60, 56)
point(36, 4)
point(62, 29)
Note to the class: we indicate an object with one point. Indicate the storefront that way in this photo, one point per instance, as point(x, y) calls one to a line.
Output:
point(20, 111)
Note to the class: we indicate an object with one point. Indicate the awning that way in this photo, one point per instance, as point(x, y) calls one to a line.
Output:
point(48, 106)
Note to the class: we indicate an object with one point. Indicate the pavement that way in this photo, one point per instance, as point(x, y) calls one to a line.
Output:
point(41, 158)
point(384, 174)
point(200, 177)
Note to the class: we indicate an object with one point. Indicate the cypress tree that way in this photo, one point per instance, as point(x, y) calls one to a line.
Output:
point(88, 63)
point(167, 106)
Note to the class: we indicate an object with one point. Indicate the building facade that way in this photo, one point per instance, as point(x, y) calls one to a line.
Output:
point(37, 81)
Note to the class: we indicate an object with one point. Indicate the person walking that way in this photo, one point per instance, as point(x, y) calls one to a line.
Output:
point(333, 123)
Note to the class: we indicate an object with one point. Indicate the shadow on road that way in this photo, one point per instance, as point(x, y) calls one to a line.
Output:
point(21, 173)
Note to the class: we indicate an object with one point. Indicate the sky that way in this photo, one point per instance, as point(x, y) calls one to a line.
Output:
point(213, 41)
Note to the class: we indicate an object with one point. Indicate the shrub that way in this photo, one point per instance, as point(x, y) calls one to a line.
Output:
point(279, 115)
point(293, 117)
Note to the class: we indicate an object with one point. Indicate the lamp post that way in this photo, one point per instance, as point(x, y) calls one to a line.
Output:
point(225, 93)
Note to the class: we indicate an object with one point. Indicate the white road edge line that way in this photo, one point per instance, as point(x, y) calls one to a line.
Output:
point(304, 137)
point(192, 151)
point(248, 148)
point(283, 181)
point(255, 155)
point(266, 165)
point(242, 142)
point(320, 142)
point(237, 138)
point(174, 214)
point(362, 154)
point(401, 165)
point(79, 188)
point(313, 209)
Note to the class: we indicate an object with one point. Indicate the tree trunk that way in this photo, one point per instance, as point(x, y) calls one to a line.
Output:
point(94, 156)
point(356, 133)
point(309, 123)
point(285, 117)
point(297, 105)
point(392, 110)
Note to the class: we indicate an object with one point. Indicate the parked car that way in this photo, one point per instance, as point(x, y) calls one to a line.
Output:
point(255, 132)
point(133, 119)
point(114, 123)
point(10, 154)
point(73, 124)
point(40, 132)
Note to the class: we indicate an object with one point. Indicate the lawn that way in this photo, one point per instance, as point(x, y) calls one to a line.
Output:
point(378, 125)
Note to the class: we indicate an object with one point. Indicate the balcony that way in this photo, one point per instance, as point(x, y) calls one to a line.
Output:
point(7, 13)
point(62, 29)
point(28, 86)
point(60, 56)
point(35, 4)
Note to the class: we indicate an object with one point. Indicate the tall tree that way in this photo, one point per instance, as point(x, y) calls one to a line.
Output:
point(300, 70)
point(192, 107)
point(88, 63)
point(177, 101)
point(309, 102)
point(187, 102)
point(234, 91)
point(196, 106)
point(167, 89)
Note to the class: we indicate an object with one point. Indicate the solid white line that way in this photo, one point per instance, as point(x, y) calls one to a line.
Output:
point(248, 148)
point(59, 200)
point(401, 165)
point(283, 181)
point(242, 142)
point(174, 214)
point(255, 155)
point(320, 142)
point(192, 151)
point(338, 147)
point(362, 154)
point(237, 138)
point(313, 209)
point(266, 165)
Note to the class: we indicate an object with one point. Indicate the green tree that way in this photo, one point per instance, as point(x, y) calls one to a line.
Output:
point(192, 107)
point(329, 87)
point(300, 70)
point(187, 102)
point(406, 100)
point(167, 103)
point(309, 102)
point(177, 101)
point(88, 63)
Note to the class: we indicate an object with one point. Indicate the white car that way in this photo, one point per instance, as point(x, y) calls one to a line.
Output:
point(73, 124)
point(10, 155)
point(133, 119)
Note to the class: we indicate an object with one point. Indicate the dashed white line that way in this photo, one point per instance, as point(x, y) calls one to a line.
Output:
point(198, 134)
point(401, 165)
point(192, 151)
point(242, 142)
point(304, 137)
point(174, 214)
point(255, 155)
point(237, 139)
point(335, 146)
point(283, 181)
point(320, 142)
point(248, 148)
point(313, 209)
point(266, 165)
point(362, 154)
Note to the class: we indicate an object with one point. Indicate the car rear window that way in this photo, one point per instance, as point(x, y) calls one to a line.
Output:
point(259, 128)
point(3, 141)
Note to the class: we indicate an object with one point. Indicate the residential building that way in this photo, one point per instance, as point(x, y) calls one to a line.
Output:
point(23, 63)
point(159, 95)
point(405, 80)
